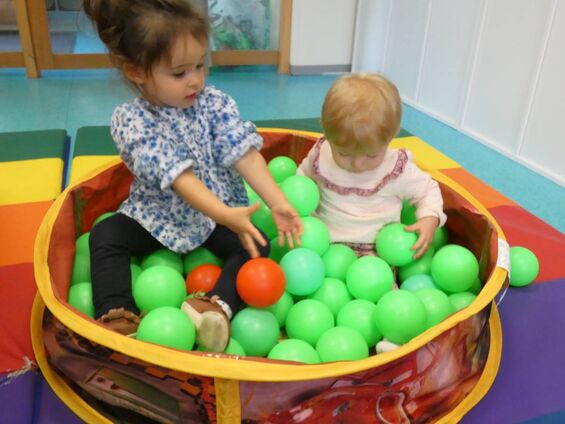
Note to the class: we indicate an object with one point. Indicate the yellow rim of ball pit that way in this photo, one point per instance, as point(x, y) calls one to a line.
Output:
point(249, 370)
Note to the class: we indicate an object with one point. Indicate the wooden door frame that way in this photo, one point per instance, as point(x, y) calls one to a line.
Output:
point(44, 58)
point(26, 57)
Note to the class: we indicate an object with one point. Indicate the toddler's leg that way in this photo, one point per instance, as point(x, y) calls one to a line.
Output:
point(112, 243)
point(211, 314)
point(225, 244)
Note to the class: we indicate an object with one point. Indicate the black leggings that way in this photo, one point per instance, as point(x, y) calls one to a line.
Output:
point(116, 239)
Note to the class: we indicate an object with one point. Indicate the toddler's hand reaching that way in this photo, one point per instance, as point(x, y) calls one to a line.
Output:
point(425, 228)
point(238, 220)
point(288, 224)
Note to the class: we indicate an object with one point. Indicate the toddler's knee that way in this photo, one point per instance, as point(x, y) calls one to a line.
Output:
point(104, 233)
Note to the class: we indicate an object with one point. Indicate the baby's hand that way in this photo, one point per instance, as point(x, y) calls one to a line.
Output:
point(288, 224)
point(425, 228)
point(239, 221)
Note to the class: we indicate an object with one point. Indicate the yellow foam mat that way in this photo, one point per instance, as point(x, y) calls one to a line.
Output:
point(34, 180)
point(426, 156)
point(82, 165)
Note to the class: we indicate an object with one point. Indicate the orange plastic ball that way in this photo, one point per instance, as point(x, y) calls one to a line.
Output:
point(203, 278)
point(260, 282)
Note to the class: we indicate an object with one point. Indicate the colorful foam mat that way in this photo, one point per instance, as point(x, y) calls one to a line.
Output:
point(31, 175)
point(528, 386)
point(32, 168)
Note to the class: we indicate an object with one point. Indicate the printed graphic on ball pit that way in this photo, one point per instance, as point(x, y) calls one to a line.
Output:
point(115, 372)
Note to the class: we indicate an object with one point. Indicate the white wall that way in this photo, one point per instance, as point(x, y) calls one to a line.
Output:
point(493, 69)
point(322, 32)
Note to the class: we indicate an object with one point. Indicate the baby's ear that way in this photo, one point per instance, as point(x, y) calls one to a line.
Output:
point(134, 74)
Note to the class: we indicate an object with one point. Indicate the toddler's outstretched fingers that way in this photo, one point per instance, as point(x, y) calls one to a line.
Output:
point(289, 240)
point(249, 244)
point(257, 236)
point(297, 234)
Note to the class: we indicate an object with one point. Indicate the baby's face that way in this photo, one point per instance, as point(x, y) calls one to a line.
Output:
point(358, 159)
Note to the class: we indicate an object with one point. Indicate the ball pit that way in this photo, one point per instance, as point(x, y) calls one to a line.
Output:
point(99, 373)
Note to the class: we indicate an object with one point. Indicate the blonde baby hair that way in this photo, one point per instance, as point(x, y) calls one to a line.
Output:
point(361, 110)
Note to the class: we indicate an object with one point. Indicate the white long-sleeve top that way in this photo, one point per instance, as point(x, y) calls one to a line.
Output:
point(355, 206)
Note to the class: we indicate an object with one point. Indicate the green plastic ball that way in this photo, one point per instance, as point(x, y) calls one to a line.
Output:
point(81, 244)
point(476, 286)
point(200, 256)
point(304, 271)
point(337, 259)
point(302, 193)
point(167, 326)
point(135, 273)
point(282, 167)
point(308, 319)
point(418, 282)
point(281, 308)
point(263, 219)
point(277, 252)
point(440, 238)
point(342, 344)
point(234, 348)
point(393, 244)
point(422, 265)
point(408, 213)
point(333, 293)
point(369, 278)
point(80, 297)
point(437, 304)
point(81, 269)
point(454, 268)
point(102, 217)
point(316, 236)
point(358, 314)
point(524, 266)
point(461, 300)
point(400, 316)
point(164, 257)
point(256, 330)
point(159, 286)
point(294, 350)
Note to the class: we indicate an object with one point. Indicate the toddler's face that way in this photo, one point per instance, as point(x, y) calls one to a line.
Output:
point(177, 83)
point(356, 160)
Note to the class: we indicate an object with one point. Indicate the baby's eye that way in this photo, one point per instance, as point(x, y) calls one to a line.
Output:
point(200, 66)
point(179, 74)
point(345, 155)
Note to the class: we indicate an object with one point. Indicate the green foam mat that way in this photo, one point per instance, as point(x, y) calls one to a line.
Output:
point(28, 145)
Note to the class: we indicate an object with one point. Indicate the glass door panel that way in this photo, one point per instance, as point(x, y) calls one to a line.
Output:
point(9, 35)
point(70, 31)
point(244, 24)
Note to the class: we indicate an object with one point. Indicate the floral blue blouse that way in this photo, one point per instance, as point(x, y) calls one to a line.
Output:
point(158, 143)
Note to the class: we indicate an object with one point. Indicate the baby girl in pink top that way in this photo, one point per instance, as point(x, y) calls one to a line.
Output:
point(362, 182)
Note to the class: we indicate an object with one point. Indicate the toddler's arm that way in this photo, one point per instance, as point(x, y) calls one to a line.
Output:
point(254, 170)
point(196, 194)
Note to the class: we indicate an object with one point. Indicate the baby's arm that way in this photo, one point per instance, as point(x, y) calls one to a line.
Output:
point(254, 170)
point(421, 190)
point(305, 167)
point(189, 187)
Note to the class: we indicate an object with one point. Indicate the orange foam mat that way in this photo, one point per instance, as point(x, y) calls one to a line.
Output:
point(18, 226)
point(487, 195)
point(17, 289)
point(524, 229)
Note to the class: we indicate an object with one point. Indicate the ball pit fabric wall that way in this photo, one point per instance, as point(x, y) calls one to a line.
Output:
point(433, 376)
